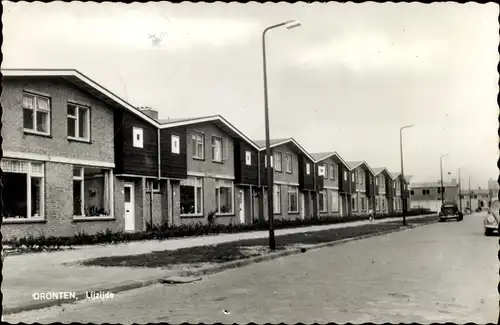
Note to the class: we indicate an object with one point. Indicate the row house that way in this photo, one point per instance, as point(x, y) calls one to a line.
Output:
point(383, 190)
point(294, 180)
point(363, 180)
point(77, 158)
point(332, 200)
point(400, 187)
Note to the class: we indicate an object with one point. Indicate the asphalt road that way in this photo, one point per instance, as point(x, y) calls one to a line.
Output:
point(446, 272)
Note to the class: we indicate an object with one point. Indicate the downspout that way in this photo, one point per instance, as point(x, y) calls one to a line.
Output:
point(159, 173)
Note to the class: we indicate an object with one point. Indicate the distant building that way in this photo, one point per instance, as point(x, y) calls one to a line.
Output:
point(428, 194)
point(476, 198)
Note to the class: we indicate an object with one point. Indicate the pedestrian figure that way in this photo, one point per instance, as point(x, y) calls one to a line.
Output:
point(371, 215)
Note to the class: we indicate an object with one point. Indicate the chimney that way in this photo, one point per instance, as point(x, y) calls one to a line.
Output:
point(149, 112)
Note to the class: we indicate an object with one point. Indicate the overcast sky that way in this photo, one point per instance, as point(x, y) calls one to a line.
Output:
point(346, 80)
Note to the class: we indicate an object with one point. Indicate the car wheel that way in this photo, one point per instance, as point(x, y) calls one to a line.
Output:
point(488, 231)
point(442, 220)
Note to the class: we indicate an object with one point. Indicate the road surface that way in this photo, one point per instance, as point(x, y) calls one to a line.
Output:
point(446, 272)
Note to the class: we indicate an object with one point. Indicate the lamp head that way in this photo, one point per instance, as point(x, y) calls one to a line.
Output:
point(292, 24)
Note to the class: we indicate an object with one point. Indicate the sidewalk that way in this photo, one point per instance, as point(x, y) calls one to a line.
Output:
point(32, 273)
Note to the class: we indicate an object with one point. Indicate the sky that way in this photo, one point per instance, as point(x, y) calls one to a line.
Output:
point(346, 80)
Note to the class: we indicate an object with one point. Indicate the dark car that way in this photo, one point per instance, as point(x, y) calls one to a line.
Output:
point(450, 210)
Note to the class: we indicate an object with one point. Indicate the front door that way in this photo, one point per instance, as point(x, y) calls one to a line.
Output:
point(129, 207)
point(302, 206)
point(242, 205)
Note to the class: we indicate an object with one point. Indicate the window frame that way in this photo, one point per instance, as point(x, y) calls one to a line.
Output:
point(354, 200)
point(332, 171)
point(290, 191)
point(137, 131)
point(174, 138)
point(156, 185)
point(288, 163)
point(225, 148)
point(308, 169)
point(198, 138)
point(336, 206)
point(198, 183)
point(248, 158)
point(363, 203)
point(34, 110)
point(109, 189)
point(214, 148)
point(76, 117)
point(327, 171)
point(30, 174)
point(217, 196)
point(279, 161)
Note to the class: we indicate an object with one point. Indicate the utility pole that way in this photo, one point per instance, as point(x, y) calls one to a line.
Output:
point(460, 189)
point(442, 184)
point(404, 200)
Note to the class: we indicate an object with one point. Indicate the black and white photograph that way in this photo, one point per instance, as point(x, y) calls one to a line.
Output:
point(253, 162)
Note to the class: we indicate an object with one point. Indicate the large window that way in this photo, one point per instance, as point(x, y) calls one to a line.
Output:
point(192, 196)
point(78, 122)
point(216, 149)
point(277, 198)
point(322, 201)
point(293, 199)
point(198, 143)
point(23, 191)
point(277, 160)
point(91, 192)
point(335, 201)
point(288, 163)
point(224, 196)
point(36, 114)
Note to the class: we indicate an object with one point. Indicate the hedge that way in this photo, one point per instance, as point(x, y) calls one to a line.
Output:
point(163, 232)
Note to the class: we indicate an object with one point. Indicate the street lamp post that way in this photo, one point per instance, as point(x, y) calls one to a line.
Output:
point(289, 25)
point(460, 189)
point(405, 200)
point(441, 169)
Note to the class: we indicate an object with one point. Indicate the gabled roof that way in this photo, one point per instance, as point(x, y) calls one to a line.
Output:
point(279, 142)
point(83, 82)
point(378, 170)
point(354, 164)
point(320, 156)
point(218, 120)
point(395, 175)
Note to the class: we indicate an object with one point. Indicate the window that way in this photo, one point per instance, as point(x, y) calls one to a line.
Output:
point(248, 158)
point(23, 191)
point(175, 143)
point(376, 181)
point(91, 192)
point(383, 204)
point(308, 168)
point(78, 122)
point(225, 149)
point(277, 198)
point(412, 192)
point(354, 203)
point(36, 114)
point(224, 196)
point(335, 201)
point(326, 170)
point(322, 201)
point(265, 161)
point(293, 199)
point(216, 149)
point(153, 184)
point(138, 140)
point(377, 203)
point(333, 172)
point(361, 177)
point(363, 207)
point(345, 176)
point(191, 196)
point(288, 163)
point(382, 182)
point(277, 158)
point(198, 143)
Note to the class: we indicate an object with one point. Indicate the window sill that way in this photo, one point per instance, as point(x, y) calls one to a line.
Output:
point(41, 134)
point(225, 215)
point(192, 216)
point(79, 140)
point(83, 219)
point(23, 220)
point(293, 212)
point(197, 158)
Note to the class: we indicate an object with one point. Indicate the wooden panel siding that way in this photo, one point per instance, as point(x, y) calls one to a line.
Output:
point(306, 182)
point(136, 161)
point(173, 165)
point(244, 174)
point(344, 185)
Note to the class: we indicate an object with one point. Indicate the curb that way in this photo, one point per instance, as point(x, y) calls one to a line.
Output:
point(136, 284)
